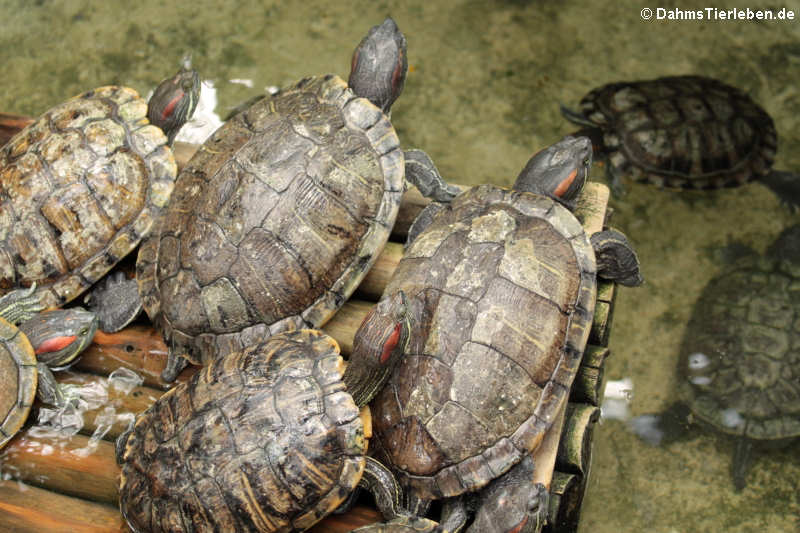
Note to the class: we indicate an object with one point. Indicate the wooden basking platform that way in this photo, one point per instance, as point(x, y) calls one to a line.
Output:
point(54, 484)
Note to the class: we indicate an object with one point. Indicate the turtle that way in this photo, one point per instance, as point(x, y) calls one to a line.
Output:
point(31, 344)
point(83, 183)
point(690, 132)
point(739, 364)
point(266, 439)
point(279, 215)
point(501, 290)
point(509, 504)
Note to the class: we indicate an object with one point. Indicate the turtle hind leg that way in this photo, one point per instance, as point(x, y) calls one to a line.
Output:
point(115, 301)
point(786, 186)
point(616, 259)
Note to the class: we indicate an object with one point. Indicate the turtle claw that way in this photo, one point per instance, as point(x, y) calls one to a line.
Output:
point(20, 305)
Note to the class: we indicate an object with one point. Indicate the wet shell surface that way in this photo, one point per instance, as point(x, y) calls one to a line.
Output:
point(504, 285)
point(275, 220)
point(79, 188)
point(683, 131)
point(263, 440)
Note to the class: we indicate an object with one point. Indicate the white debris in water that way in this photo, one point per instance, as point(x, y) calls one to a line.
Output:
point(698, 361)
point(243, 81)
point(700, 380)
point(205, 120)
point(732, 418)
point(124, 380)
point(647, 428)
point(617, 399)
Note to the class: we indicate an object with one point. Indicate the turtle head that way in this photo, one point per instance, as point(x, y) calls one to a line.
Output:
point(559, 171)
point(174, 100)
point(379, 66)
point(379, 344)
point(58, 336)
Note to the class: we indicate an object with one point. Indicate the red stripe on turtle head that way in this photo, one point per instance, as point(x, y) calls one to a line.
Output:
point(391, 343)
point(55, 344)
point(564, 186)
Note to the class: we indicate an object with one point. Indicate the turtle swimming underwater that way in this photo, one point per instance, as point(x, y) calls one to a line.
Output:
point(739, 367)
point(501, 292)
point(31, 343)
point(280, 214)
point(82, 185)
point(691, 132)
point(267, 439)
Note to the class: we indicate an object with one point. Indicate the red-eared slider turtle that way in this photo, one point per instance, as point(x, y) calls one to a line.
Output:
point(81, 185)
point(280, 214)
point(684, 131)
point(266, 439)
point(501, 291)
point(50, 339)
point(739, 367)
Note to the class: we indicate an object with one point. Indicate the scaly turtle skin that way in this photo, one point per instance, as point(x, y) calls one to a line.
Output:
point(501, 289)
point(740, 358)
point(267, 439)
point(83, 184)
point(50, 339)
point(683, 131)
point(281, 213)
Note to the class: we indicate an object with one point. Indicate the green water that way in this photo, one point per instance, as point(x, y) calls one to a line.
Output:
point(482, 97)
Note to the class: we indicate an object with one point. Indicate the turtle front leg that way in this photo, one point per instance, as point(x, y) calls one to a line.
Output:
point(381, 483)
point(616, 259)
point(421, 171)
point(115, 301)
point(20, 305)
point(50, 392)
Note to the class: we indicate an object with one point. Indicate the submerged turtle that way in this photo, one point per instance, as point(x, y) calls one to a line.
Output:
point(31, 344)
point(266, 439)
point(501, 290)
point(280, 214)
point(739, 369)
point(81, 185)
point(684, 131)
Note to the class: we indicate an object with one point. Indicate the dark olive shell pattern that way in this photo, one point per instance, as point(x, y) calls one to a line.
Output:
point(683, 131)
point(740, 358)
point(18, 376)
point(79, 188)
point(503, 286)
point(266, 440)
point(275, 220)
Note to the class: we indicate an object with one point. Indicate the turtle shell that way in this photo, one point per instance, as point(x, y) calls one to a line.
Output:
point(740, 358)
point(275, 220)
point(683, 131)
point(503, 283)
point(266, 439)
point(18, 375)
point(79, 188)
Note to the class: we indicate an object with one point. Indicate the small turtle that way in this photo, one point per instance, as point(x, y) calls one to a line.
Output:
point(281, 213)
point(690, 132)
point(81, 185)
point(266, 439)
point(739, 367)
point(31, 344)
point(501, 290)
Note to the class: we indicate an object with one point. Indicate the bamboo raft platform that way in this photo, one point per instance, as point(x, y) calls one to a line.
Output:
point(56, 484)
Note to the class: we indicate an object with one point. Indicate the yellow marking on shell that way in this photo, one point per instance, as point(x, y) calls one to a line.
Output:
point(320, 238)
point(308, 466)
point(366, 420)
point(252, 500)
point(359, 177)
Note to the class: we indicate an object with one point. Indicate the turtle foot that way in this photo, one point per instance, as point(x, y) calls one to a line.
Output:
point(421, 171)
point(616, 259)
point(115, 301)
point(20, 305)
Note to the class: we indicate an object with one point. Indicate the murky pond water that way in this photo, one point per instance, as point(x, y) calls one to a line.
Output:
point(483, 95)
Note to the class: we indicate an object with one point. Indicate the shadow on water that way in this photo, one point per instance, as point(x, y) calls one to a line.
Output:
point(487, 79)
